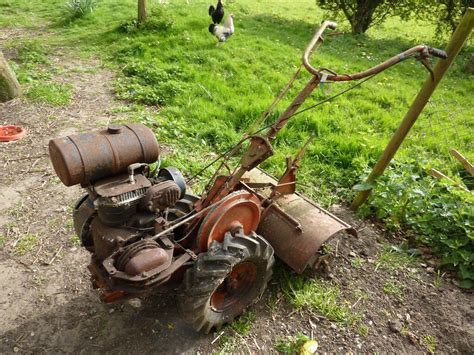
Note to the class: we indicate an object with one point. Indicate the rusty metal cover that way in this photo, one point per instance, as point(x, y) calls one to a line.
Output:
point(87, 157)
point(295, 226)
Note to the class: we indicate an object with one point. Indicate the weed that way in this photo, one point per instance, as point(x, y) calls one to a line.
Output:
point(404, 330)
point(75, 239)
point(50, 93)
point(75, 9)
point(291, 344)
point(69, 223)
point(17, 211)
point(438, 281)
point(430, 342)
point(243, 324)
point(393, 288)
point(26, 243)
point(363, 330)
point(2, 241)
point(357, 262)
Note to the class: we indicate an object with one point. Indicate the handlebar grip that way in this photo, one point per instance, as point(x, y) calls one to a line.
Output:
point(331, 25)
point(437, 53)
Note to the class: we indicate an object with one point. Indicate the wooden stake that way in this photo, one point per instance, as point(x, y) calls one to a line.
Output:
point(467, 165)
point(439, 175)
point(454, 46)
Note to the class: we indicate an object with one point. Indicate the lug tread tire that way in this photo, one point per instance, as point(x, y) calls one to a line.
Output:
point(210, 270)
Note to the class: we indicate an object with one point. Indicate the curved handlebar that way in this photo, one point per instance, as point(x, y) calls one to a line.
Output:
point(422, 51)
point(316, 38)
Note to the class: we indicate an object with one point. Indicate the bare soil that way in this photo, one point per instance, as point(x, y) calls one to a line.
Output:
point(48, 306)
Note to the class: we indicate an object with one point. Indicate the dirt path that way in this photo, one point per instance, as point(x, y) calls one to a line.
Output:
point(47, 304)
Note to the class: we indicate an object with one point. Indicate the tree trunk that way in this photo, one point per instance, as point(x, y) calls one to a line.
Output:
point(142, 11)
point(363, 15)
point(9, 86)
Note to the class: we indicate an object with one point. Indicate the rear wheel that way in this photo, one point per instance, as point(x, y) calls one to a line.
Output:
point(225, 280)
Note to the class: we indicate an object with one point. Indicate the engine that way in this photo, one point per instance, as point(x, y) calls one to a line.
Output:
point(125, 206)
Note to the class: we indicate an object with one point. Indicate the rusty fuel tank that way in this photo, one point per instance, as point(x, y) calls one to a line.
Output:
point(295, 226)
point(87, 157)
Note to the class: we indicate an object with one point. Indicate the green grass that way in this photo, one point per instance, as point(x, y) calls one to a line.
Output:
point(26, 243)
point(51, 93)
point(393, 288)
point(319, 296)
point(243, 324)
point(395, 259)
point(430, 343)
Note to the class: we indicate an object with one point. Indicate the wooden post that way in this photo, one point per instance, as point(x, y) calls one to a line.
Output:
point(454, 46)
point(142, 15)
point(9, 86)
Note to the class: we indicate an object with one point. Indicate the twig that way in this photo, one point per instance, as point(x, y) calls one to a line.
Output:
point(356, 302)
point(217, 337)
point(255, 342)
point(37, 253)
point(55, 255)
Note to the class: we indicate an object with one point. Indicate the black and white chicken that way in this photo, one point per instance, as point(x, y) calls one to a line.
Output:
point(223, 32)
point(217, 13)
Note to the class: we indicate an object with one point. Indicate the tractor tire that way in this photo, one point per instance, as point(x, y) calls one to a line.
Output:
point(225, 280)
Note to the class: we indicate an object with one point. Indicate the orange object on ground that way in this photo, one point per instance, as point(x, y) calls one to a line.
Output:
point(11, 133)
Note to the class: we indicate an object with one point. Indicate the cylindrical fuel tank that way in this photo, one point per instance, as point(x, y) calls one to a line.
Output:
point(87, 157)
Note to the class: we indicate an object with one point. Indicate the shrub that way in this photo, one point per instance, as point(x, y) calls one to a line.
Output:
point(79, 8)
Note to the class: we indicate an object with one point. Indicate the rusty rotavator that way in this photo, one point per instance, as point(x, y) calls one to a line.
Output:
point(145, 232)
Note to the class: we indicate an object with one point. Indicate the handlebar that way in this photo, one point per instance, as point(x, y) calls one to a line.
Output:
point(437, 53)
point(316, 38)
point(422, 51)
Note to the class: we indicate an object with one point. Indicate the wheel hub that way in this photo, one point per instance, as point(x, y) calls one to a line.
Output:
point(235, 287)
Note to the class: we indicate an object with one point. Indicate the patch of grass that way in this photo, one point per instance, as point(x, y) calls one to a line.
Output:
point(2, 241)
point(357, 262)
point(291, 344)
point(404, 330)
point(430, 343)
point(26, 243)
point(50, 93)
point(243, 324)
point(394, 258)
point(320, 296)
point(75, 240)
point(363, 330)
point(229, 345)
point(393, 288)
